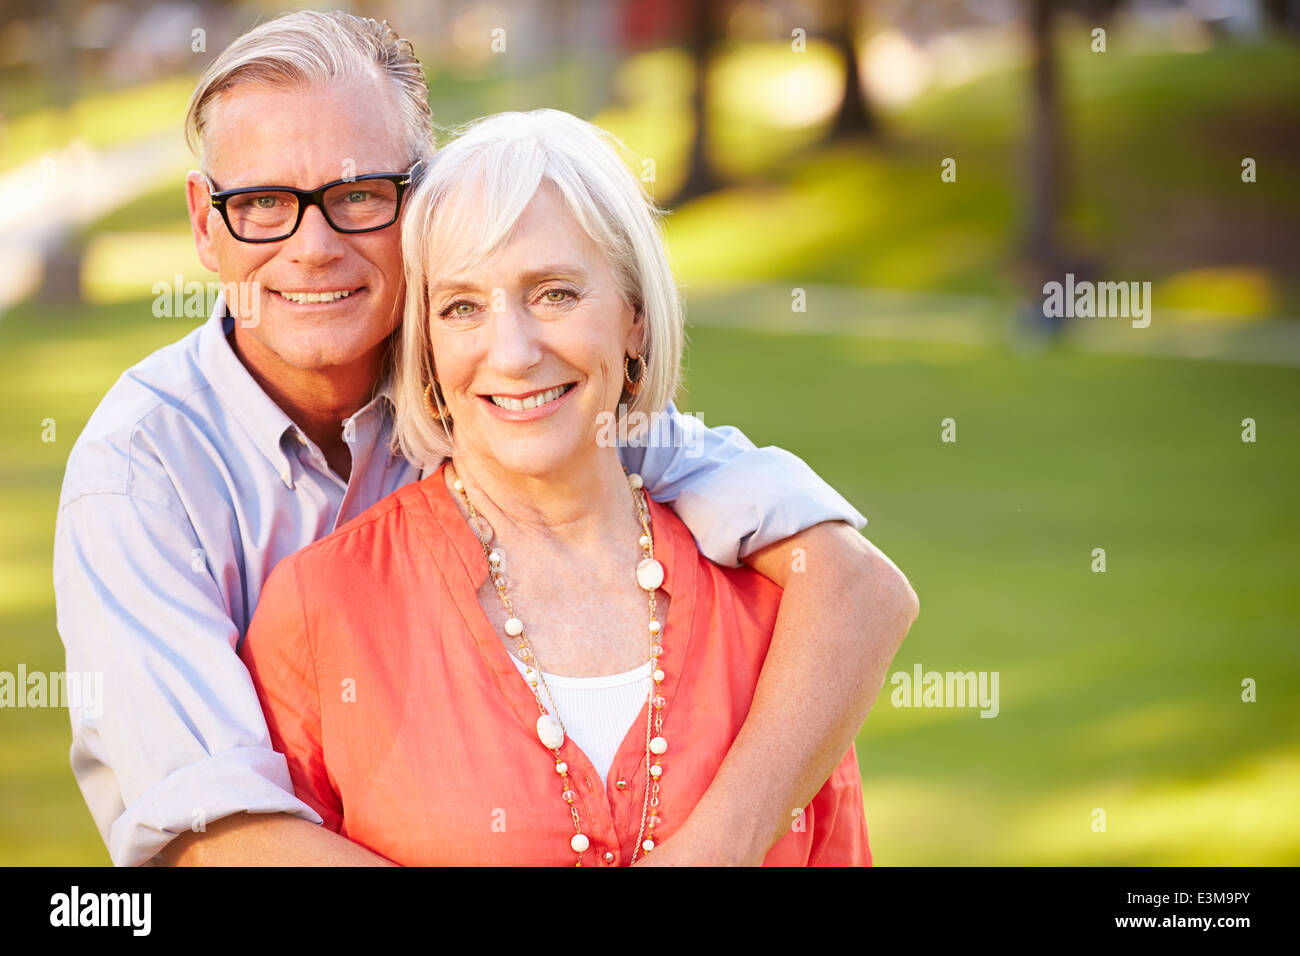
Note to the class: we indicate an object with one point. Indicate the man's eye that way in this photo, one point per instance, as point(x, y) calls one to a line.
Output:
point(357, 195)
point(265, 202)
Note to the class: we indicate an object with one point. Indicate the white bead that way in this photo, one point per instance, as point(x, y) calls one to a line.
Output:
point(561, 768)
point(458, 485)
point(634, 480)
point(658, 746)
point(550, 732)
point(649, 574)
point(580, 843)
point(648, 845)
point(658, 676)
point(494, 557)
point(514, 626)
point(656, 771)
point(644, 541)
point(654, 627)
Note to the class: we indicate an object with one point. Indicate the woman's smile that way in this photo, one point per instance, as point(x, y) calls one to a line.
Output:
point(529, 406)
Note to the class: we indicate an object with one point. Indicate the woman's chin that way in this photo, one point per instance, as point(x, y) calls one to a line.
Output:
point(538, 456)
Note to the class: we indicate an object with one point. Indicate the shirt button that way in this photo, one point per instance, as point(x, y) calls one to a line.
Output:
point(587, 780)
point(609, 857)
point(621, 783)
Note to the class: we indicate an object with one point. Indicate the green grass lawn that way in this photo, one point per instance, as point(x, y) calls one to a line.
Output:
point(1119, 691)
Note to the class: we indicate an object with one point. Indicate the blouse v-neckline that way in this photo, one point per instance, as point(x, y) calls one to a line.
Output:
point(464, 568)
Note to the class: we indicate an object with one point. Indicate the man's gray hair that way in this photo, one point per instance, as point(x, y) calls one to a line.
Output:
point(310, 47)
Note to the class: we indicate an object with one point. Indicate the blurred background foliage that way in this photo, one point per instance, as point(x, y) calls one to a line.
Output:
point(799, 145)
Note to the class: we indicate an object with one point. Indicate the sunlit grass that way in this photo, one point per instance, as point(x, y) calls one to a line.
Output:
point(1119, 690)
point(124, 266)
point(101, 119)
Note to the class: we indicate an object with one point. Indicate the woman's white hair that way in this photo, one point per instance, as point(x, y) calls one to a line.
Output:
point(466, 207)
point(310, 47)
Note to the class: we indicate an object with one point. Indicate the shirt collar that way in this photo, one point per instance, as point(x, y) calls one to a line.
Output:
point(264, 420)
point(239, 392)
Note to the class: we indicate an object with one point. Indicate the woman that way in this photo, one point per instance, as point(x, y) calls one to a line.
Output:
point(521, 659)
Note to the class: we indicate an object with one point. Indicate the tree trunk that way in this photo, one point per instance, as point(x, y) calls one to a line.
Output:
point(1046, 150)
point(700, 177)
point(855, 117)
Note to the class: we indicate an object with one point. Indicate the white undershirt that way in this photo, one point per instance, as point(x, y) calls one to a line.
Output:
point(596, 711)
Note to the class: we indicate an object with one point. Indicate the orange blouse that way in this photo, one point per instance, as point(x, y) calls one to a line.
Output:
point(410, 731)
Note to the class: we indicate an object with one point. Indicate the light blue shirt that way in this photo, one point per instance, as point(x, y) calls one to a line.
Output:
point(186, 488)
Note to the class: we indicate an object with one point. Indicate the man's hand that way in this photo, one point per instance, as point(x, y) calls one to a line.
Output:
point(270, 839)
point(844, 613)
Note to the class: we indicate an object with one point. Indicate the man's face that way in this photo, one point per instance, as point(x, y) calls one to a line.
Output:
point(304, 137)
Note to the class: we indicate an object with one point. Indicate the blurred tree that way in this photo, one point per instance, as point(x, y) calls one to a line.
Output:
point(1047, 255)
point(855, 116)
point(63, 251)
point(1283, 14)
point(1046, 141)
point(703, 35)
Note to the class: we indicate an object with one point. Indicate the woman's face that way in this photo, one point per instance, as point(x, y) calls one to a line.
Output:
point(529, 345)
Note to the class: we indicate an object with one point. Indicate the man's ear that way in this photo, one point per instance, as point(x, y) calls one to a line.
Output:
point(202, 221)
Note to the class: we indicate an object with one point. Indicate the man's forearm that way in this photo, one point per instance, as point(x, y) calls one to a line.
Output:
point(841, 620)
point(271, 839)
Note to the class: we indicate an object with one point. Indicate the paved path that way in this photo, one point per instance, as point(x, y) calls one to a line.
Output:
point(42, 201)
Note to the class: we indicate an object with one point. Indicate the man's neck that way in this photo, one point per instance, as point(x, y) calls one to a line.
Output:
point(317, 401)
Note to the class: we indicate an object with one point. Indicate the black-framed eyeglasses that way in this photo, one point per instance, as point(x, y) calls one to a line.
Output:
point(273, 213)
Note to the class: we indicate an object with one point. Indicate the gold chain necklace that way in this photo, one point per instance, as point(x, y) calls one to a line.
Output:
point(550, 728)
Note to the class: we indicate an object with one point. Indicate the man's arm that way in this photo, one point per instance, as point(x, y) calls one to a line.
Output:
point(845, 610)
point(839, 625)
point(176, 740)
point(277, 839)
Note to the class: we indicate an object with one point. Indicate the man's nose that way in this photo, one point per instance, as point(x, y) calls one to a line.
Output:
point(316, 242)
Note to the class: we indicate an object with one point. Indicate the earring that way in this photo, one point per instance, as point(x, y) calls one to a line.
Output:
point(433, 409)
point(633, 387)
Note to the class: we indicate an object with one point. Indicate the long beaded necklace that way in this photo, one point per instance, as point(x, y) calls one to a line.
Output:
point(550, 728)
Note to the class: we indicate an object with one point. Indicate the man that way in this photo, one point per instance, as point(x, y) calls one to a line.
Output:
point(269, 426)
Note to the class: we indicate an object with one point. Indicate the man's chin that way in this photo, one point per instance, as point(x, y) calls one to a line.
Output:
point(319, 350)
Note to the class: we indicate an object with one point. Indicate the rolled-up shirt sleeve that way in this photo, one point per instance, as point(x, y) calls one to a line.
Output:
point(735, 498)
point(176, 738)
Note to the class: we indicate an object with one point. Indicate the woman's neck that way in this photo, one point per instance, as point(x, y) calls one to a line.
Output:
point(577, 508)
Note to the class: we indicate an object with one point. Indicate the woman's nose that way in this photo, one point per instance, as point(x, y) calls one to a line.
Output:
point(514, 346)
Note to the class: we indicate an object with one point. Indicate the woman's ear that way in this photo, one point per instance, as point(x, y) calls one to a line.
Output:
point(639, 335)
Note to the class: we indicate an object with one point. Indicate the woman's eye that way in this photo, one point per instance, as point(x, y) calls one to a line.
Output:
point(556, 296)
point(459, 310)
